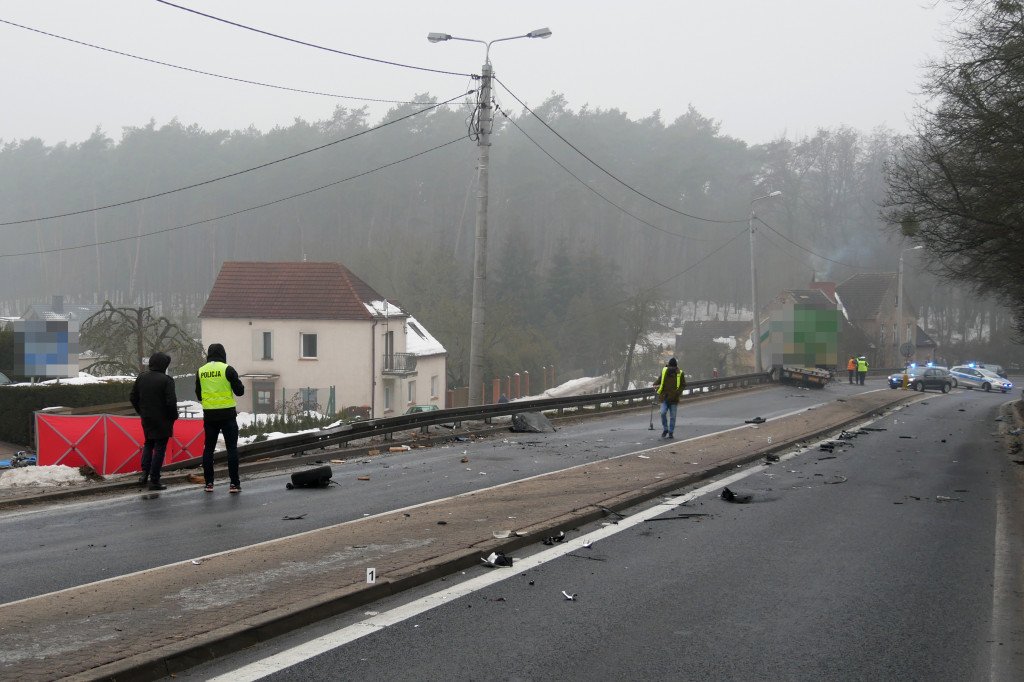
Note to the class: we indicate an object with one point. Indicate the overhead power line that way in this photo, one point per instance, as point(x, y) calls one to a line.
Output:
point(313, 45)
point(816, 255)
point(206, 73)
point(607, 172)
point(233, 213)
point(585, 184)
point(236, 173)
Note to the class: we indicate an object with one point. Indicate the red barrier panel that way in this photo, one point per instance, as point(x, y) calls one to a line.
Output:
point(109, 444)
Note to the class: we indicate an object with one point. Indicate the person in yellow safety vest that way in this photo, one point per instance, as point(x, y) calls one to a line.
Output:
point(862, 369)
point(670, 386)
point(216, 381)
point(851, 369)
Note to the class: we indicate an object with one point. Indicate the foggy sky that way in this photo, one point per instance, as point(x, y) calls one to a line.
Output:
point(763, 70)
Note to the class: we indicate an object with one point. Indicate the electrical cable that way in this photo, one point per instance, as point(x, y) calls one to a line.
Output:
point(606, 172)
point(208, 73)
point(304, 43)
point(236, 173)
point(233, 213)
point(817, 255)
point(584, 183)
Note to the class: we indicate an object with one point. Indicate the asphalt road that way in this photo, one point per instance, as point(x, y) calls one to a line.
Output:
point(77, 542)
point(894, 556)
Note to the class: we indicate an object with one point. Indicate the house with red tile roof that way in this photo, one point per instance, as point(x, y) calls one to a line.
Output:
point(314, 336)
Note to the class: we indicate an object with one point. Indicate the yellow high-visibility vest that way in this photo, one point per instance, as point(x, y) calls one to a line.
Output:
point(216, 388)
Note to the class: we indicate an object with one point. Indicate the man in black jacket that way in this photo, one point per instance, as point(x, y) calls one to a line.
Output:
point(154, 399)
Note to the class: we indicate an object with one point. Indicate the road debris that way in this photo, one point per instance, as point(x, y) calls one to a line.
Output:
point(497, 560)
point(608, 510)
point(555, 538)
point(570, 597)
point(502, 534)
point(293, 518)
point(836, 479)
point(738, 498)
point(530, 422)
point(756, 420)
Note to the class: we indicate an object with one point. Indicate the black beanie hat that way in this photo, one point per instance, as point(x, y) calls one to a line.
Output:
point(672, 363)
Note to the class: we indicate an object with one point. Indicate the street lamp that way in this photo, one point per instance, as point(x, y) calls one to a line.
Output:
point(899, 300)
point(483, 131)
point(753, 284)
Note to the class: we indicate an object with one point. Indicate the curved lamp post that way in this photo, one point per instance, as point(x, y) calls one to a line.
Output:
point(753, 284)
point(476, 360)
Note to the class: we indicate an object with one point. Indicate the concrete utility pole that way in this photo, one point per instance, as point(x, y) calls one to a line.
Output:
point(899, 300)
point(758, 367)
point(483, 135)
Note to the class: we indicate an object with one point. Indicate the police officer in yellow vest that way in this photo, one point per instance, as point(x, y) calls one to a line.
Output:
point(862, 369)
point(216, 381)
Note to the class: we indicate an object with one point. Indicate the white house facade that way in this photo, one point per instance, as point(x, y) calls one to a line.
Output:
point(314, 336)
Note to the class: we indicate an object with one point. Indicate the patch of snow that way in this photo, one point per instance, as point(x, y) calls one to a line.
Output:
point(82, 379)
point(727, 340)
point(36, 477)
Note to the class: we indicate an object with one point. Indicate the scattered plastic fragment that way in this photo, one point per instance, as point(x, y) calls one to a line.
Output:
point(587, 544)
point(738, 498)
point(196, 562)
point(497, 560)
point(836, 479)
point(608, 510)
point(570, 597)
point(643, 456)
point(363, 478)
point(756, 420)
point(555, 538)
point(465, 459)
point(293, 518)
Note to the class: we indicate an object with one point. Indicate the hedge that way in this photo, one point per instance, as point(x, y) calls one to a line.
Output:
point(18, 403)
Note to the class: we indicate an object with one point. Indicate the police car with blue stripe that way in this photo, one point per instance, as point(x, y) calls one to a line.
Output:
point(969, 376)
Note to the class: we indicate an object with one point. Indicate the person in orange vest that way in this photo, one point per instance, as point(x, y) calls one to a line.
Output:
point(851, 369)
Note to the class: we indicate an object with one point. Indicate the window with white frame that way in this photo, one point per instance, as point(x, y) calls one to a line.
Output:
point(412, 392)
point(388, 398)
point(433, 386)
point(308, 344)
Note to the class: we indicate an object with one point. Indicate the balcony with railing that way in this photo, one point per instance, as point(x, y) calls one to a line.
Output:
point(399, 364)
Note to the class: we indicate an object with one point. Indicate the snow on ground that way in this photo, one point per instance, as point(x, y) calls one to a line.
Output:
point(39, 477)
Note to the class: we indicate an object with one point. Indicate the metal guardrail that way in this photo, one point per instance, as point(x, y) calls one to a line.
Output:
point(387, 425)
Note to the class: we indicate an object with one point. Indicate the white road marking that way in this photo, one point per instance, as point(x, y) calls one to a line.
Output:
point(295, 655)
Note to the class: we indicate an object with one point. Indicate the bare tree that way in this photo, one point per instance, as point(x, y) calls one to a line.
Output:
point(123, 339)
point(957, 184)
